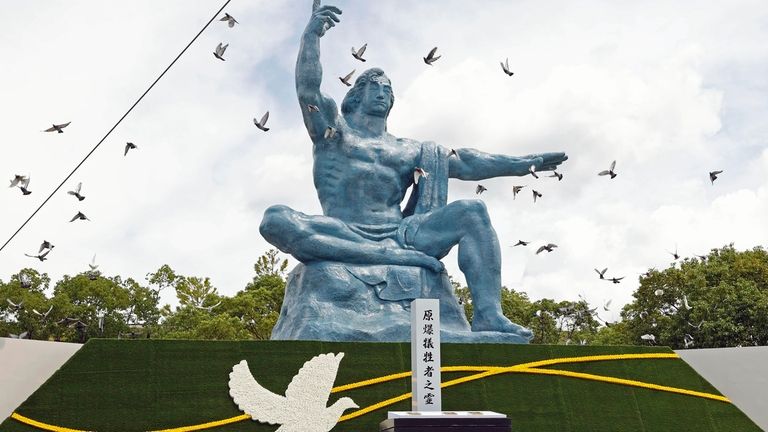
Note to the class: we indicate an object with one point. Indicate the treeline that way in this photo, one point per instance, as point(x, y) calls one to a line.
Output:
point(718, 300)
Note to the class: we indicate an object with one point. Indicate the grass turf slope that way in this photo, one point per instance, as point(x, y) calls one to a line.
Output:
point(144, 385)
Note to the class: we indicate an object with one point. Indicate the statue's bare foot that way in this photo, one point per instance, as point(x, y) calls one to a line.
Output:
point(499, 323)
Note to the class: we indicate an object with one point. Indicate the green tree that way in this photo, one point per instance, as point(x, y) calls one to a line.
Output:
point(720, 300)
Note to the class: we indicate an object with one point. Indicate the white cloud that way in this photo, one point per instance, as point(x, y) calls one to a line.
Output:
point(669, 90)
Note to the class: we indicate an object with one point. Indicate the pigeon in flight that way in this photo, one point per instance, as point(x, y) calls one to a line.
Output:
point(480, 189)
point(19, 336)
point(536, 194)
point(208, 308)
point(43, 315)
point(129, 146)
point(24, 186)
point(675, 254)
point(430, 58)
point(16, 306)
point(615, 279)
point(329, 133)
point(262, 124)
point(358, 54)
point(548, 247)
point(505, 67)
point(76, 192)
point(17, 179)
point(532, 170)
point(229, 19)
point(80, 216)
point(688, 340)
point(713, 175)
point(609, 171)
point(454, 153)
point(313, 108)
point(602, 273)
point(520, 243)
point(649, 338)
point(24, 280)
point(685, 303)
point(40, 256)
point(219, 53)
point(303, 408)
point(45, 245)
point(93, 266)
point(557, 175)
point(346, 78)
point(417, 173)
point(607, 305)
point(57, 127)
point(516, 190)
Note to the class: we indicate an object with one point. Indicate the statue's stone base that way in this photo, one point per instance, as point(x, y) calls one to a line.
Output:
point(333, 301)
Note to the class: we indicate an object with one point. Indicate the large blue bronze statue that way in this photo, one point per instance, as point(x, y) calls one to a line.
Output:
point(365, 258)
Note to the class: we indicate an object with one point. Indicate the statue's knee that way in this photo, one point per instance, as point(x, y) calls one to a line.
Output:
point(474, 211)
point(275, 224)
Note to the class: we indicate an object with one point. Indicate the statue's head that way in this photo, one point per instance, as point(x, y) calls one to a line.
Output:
point(372, 93)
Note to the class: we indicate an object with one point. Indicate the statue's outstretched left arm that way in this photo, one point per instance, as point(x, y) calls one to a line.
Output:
point(473, 164)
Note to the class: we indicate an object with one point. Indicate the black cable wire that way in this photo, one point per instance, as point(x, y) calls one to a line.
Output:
point(117, 124)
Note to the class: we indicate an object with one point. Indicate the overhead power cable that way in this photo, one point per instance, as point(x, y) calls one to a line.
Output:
point(118, 123)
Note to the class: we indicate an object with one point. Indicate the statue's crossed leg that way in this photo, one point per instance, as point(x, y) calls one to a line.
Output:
point(464, 223)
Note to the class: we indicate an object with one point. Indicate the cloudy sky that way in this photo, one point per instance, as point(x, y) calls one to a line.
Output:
point(671, 90)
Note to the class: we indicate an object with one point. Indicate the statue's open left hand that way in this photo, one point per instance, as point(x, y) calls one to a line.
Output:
point(547, 161)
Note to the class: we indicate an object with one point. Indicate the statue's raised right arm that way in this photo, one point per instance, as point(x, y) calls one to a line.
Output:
point(309, 74)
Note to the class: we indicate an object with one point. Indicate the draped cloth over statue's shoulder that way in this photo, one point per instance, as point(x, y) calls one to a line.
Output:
point(401, 282)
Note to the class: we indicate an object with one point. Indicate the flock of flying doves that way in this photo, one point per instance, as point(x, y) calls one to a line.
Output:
point(23, 181)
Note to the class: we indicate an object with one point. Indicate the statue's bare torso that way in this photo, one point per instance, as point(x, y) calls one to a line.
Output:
point(364, 180)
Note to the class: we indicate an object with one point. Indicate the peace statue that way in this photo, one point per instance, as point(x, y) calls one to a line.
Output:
point(365, 258)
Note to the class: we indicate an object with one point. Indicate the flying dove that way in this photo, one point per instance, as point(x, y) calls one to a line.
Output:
point(43, 315)
point(505, 67)
point(516, 190)
point(45, 245)
point(313, 108)
point(229, 19)
point(262, 124)
point(430, 58)
point(303, 408)
point(24, 280)
point(129, 146)
point(532, 170)
point(557, 175)
point(520, 243)
point(602, 273)
point(219, 53)
point(16, 306)
point(454, 153)
point(648, 337)
point(609, 171)
point(346, 78)
point(358, 54)
point(480, 189)
point(80, 216)
point(40, 256)
point(76, 192)
point(57, 127)
point(329, 133)
point(615, 279)
point(547, 247)
point(536, 194)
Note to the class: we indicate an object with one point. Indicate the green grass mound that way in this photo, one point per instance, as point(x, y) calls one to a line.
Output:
point(146, 385)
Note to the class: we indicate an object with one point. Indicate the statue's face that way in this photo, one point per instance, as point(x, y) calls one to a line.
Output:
point(377, 97)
